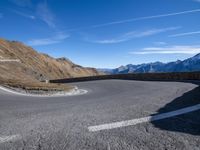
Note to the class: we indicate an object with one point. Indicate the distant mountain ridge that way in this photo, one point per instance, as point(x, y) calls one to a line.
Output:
point(190, 64)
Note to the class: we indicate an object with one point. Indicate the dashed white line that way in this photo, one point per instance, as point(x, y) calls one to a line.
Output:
point(145, 119)
point(4, 139)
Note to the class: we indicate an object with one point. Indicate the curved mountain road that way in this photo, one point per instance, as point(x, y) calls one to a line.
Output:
point(64, 122)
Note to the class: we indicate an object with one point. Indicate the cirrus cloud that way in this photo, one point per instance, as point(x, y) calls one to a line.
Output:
point(22, 3)
point(23, 14)
point(185, 34)
point(148, 17)
point(135, 34)
point(59, 37)
point(197, 1)
point(45, 14)
point(176, 49)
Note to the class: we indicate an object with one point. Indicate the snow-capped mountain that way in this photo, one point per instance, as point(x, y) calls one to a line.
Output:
point(190, 64)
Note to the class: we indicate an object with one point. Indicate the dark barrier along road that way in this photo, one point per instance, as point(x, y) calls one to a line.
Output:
point(139, 76)
point(113, 115)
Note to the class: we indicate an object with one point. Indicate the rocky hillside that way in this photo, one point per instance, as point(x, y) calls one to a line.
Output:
point(19, 62)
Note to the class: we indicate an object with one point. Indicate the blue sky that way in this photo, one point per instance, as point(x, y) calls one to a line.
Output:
point(105, 33)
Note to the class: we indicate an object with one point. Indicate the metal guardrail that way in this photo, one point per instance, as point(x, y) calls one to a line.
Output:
point(177, 76)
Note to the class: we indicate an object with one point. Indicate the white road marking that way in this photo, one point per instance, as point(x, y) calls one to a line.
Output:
point(10, 60)
point(73, 92)
point(145, 119)
point(4, 139)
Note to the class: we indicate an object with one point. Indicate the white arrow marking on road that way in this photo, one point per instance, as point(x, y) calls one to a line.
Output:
point(142, 120)
point(9, 138)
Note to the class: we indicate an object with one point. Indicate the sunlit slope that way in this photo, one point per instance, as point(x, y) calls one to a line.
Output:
point(22, 63)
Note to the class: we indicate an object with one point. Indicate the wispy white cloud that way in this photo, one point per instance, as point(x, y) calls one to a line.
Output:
point(45, 14)
point(159, 43)
point(135, 34)
point(137, 19)
point(39, 9)
point(197, 1)
point(185, 34)
point(24, 14)
point(177, 49)
point(22, 3)
point(59, 37)
point(148, 17)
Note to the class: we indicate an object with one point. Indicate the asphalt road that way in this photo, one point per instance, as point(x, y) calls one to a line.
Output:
point(62, 123)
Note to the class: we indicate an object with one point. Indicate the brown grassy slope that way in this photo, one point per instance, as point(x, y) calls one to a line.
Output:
point(34, 66)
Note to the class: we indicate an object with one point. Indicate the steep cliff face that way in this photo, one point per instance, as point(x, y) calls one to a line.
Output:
point(20, 62)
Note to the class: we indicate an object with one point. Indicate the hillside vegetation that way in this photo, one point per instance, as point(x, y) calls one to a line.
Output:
point(21, 65)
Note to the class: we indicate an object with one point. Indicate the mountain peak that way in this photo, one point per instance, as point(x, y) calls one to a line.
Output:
point(197, 56)
point(190, 64)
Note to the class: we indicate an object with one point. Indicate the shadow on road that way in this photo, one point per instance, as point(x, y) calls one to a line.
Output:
point(187, 123)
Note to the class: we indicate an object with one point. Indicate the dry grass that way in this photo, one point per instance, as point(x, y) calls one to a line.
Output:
point(33, 67)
